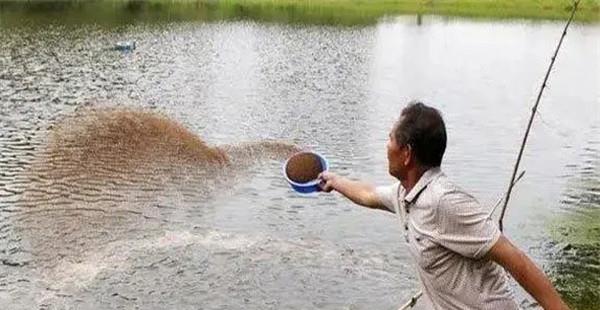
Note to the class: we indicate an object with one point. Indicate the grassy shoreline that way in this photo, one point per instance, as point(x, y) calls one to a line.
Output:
point(588, 10)
point(333, 12)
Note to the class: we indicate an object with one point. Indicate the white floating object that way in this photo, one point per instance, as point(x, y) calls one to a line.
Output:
point(125, 46)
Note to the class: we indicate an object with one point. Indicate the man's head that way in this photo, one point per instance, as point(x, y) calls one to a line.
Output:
point(417, 140)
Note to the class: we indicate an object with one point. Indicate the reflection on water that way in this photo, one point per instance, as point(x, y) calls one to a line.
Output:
point(178, 235)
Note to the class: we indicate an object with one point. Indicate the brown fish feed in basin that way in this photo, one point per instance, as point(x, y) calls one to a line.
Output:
point(303, 167)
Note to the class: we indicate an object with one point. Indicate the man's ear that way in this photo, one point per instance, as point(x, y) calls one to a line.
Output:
point(408, 158)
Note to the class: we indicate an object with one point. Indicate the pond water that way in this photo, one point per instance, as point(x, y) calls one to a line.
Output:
point(183, 239)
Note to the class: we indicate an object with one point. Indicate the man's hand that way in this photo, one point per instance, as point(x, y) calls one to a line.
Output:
point(531, 278)
point(327, 181)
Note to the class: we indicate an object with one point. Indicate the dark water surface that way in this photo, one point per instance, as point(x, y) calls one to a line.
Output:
point(123, 231)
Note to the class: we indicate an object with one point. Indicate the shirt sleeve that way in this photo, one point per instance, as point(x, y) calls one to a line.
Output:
point(463, 225)
point(387, 195)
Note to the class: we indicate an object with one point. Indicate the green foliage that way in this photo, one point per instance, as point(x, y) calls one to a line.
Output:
point(331, 12)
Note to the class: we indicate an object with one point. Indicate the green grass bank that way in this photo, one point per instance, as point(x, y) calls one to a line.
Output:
point(329, 12)
point(588, 10)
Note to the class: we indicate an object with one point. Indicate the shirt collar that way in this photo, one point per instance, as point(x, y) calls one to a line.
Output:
point(425, 179)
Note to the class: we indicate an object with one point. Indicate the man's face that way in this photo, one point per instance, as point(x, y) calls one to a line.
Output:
point(396, 155)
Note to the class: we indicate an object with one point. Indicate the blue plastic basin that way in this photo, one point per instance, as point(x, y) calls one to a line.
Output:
point(310, 186)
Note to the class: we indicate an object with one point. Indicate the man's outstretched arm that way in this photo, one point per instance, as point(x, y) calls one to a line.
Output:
point(531, 278)
point(359, 192)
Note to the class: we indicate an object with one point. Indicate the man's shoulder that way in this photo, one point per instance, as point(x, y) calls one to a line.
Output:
point(448, 193)
point(442, 185)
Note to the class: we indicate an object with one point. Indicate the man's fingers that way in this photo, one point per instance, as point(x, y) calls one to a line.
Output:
point(326, 186)
point(322, 184)
point(326, 181)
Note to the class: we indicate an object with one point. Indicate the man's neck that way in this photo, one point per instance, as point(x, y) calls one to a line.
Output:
point(412, 177)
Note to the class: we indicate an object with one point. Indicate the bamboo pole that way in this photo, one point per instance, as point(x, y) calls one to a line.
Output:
point(411, 303)
point(533, 111)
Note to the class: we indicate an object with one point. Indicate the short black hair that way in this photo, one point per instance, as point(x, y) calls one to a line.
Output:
point(423, 128)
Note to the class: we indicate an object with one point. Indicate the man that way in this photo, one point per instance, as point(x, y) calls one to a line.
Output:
point(459, 250)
